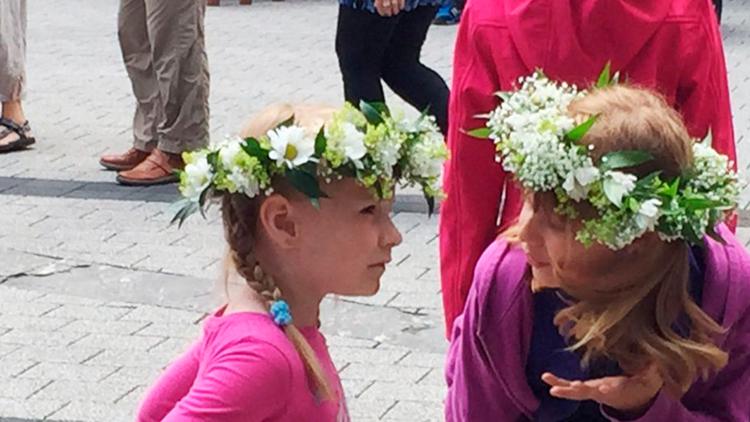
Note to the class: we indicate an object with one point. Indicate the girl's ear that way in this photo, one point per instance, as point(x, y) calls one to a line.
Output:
point(278, 219)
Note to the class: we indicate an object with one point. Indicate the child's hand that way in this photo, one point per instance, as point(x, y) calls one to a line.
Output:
point(629, 395)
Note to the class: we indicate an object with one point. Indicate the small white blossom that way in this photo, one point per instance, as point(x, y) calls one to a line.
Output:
point(618, 184)
point(353, 142)
point(198, 176)
point(291, 146)
point(229, 150)
point(579, 181)
point(245, 183)
point(648, 214)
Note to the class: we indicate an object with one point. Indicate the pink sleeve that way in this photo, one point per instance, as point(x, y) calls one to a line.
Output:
point(246, 380)
point(171, 386)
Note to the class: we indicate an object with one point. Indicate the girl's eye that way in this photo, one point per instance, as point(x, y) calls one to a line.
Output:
point(368, 210)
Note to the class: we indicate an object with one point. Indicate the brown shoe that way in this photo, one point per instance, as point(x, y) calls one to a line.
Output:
point(126, 161)
point(157, 169)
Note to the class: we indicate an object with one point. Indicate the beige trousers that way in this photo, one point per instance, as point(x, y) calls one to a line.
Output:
point(12, 49)
point(163, 46)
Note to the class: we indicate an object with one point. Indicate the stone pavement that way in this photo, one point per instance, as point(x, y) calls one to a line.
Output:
point(97, 293)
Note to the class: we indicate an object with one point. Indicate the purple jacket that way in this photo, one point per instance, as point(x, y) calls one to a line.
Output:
point(491, 339)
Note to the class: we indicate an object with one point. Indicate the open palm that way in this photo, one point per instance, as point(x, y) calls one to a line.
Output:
point(623, 393)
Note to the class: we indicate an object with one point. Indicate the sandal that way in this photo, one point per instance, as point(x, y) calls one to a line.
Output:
point(8, 128)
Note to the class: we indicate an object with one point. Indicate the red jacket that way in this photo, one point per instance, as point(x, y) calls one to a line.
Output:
point(673, 46)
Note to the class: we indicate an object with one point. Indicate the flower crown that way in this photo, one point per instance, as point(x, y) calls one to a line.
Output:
point(539, 142)
point(369, 144)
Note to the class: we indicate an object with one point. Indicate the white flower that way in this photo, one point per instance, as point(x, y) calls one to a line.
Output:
point(245, 183)
point(579, 180)
point(198, 176)
point(426, 157)
point(291, 146)
point(228, 151)
point(353, 142)
point(648, 214)
point(618, 184)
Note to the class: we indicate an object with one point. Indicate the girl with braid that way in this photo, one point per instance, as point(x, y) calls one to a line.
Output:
point(306, 196)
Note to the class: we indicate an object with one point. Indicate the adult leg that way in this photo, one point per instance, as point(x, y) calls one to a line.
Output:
point(361, 39)
point(718, 7)
point(136, 54)
point(416, 83)
point(14, 129)
point(177, 38)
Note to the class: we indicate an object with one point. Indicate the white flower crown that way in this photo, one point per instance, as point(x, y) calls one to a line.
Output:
point(369, 144)
point(538, 141)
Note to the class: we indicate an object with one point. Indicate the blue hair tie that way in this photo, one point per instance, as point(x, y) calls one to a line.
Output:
point(280, 313)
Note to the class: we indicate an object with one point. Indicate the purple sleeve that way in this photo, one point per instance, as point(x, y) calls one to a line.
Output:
point(474, 392)
point(727, 399)
point(245, 380)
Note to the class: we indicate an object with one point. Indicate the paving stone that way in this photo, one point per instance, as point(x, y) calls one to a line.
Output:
point(59, 354)
point(103, 392)
point(105, 327)
point(78, 410)
point(68, 371)
point(343, 355)
point(40, 338)
point(29, 409)
point(381, 390)
point(91, 313)
point(20, 389)
point(393, 373)
point(111, 341)
point(415, 411)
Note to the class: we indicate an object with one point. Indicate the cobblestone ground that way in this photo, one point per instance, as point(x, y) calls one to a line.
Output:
point(97, 293)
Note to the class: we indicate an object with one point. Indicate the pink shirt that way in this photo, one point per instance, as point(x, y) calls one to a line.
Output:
point(244, 369)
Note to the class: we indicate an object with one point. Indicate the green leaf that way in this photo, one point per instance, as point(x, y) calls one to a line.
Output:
point(481, 133)
point(700, 203)
point(604, 77)
point(674, 187)
point(252, 147)
point(382, 108)
point(202, 200)
point(577, 133)
point(623, 159)
point(287, 122)
point(647, 181)
point(320, 142)
point(372, 114)
point(185, 208)
point(305, 182)
point(213, 159)
point(633, 204)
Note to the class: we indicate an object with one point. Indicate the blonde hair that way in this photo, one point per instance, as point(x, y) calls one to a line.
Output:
point(634, 323)
point(240, 214)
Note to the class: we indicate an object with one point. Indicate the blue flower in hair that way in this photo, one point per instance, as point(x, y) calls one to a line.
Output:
point(280, 313)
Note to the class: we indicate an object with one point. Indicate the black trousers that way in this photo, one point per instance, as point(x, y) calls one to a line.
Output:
point(371, 47)
point(717, 6)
